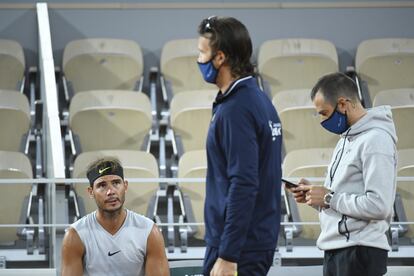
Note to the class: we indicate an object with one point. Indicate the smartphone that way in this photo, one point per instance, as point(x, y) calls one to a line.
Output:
point(289, 184)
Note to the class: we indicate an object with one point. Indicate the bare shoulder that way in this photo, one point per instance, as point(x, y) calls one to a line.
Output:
point(72, 242)
point(155, 236)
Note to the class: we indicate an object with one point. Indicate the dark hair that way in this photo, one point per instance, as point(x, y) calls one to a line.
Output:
point(335, 85)
point(230, 36)
point(104, 166)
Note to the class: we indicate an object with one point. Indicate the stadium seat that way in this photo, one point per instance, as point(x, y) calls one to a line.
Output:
point(287, 64)
point(304, 164)
point(120, 119)
point(402, 104)
point(14, 120)
point(301, 123)
point(385, 64)
point(395, 97)
point(12, 64)
point(193, 164)
point(14, 165)
point(102, 63)
point(179, 67)
point(406, 188)
point(190, 117)
point(136, 164)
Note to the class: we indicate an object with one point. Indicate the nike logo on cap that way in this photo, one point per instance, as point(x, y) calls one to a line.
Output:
point(103, 170)
point(111, 254)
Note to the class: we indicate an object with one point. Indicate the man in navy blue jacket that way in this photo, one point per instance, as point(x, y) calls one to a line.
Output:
point(242, 207)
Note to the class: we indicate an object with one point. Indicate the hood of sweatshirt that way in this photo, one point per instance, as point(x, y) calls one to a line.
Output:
point(379, 117)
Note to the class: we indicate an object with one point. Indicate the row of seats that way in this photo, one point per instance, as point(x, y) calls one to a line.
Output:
point(109, 115)
point(15, 123)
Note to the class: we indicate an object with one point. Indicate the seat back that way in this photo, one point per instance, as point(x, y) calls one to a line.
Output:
point(302, 129)
point(179, 66)
point(193, 164)
point(113, 119)
point(102, 63)
point(307, 163)
point(13, 165)
point(14, 119)
point(402, 106)
point(395, 97)
point(12, 64)
point(191, 116)
point(385, 64)
point(406, 188)
point(136, 164)
point(287, 64)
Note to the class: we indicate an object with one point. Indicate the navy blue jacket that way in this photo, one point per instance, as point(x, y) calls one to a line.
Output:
point(242, 206)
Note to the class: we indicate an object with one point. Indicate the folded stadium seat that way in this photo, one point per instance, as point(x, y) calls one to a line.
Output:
point(193, 164)
point(110, 119)
point(385, 64)
point(304, 164)
point(286, 64)
point(12, 64)
point(300, 122)
point(13, 165)
point(136, 164)
point(405, 189)
point(179, 67)
point(102, 63)
point(402, 106)
point(190, 117)
point(14, 120)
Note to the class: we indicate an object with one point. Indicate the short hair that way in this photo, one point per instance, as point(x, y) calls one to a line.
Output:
point(113, 163)
point(230, 36)
point(335, 85)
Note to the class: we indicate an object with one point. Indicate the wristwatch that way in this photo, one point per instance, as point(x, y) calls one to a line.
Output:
point(327, 199)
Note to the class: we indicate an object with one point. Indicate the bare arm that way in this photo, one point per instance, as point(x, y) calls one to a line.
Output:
point(156, 263)
point(72, 254)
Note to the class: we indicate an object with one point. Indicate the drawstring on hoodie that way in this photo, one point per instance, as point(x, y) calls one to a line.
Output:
point(345, 233)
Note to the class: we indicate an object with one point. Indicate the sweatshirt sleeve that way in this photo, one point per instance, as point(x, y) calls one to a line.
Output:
point(239, 143)
point(379, 177)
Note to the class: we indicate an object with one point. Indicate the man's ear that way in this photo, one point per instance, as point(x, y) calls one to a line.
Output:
point(126, 184)
point(220, 58)
point(342, 104)
point(90, 192)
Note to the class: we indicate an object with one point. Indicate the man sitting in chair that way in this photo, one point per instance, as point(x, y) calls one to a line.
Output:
point(112, 240)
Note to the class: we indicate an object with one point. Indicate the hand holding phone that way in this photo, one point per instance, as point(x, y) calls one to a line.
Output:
point(289, 185)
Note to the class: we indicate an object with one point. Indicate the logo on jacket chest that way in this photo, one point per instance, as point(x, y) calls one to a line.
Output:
point(276, 129)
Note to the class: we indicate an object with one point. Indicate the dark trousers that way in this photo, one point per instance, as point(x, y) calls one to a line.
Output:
point(355, 261)
point(252, 263)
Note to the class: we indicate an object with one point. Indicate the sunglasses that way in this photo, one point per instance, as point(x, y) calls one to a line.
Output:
point(208, 27)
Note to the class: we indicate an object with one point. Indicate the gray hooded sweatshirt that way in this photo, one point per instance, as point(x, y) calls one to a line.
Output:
point(362, 175)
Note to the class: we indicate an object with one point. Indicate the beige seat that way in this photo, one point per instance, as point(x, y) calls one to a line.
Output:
point(287, 64)
point(12, 64)
point(307, 163)
point(406, 188)
point(136, 164)
point(102, 63)
point(193, 164)
point(395, 97)
point(113, 119)
point(292, 98)
point(402, 104)
point(300, 123)
point(13, 165)
point(179, 66)
point(14, 119)
point(191, 116)
point(386, 64)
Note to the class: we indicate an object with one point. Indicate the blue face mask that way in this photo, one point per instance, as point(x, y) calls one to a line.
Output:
point(208, 71)
point(336, 123)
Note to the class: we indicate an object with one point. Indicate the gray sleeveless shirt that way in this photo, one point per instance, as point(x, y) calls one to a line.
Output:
point(120, 254)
